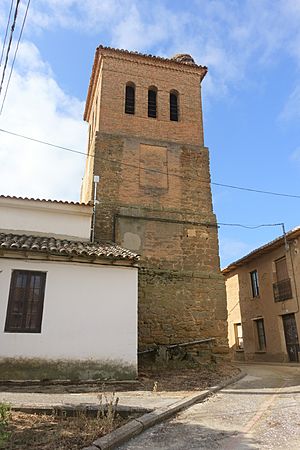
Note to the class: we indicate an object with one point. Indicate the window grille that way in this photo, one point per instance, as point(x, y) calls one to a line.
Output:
point(129, 99)
point(152, 99)
point(173, 107)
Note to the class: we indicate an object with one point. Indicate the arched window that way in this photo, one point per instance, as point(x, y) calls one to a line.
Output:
point(152, 100)
point(174, 106)
point(129, 98)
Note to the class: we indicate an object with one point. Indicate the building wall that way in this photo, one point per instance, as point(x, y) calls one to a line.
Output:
point(155, 198)
point(238, 288)
point(116, 73)
point(45, 217)
point(89, 321)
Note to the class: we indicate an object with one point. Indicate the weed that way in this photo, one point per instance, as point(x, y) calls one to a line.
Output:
point(4, 419)
point(108, 409)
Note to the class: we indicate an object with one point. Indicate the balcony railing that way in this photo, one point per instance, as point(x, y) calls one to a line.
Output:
point(282, 290)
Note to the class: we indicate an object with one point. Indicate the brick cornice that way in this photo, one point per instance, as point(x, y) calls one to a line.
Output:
point(138, 58)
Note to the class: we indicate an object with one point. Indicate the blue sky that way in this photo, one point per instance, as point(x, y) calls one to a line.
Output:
point(251, 97)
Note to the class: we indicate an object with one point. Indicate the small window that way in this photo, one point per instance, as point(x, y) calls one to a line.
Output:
point(152, 98)
point(130, 99)
point(261, 337)
point(254, 283)
point(25, 302)
point(174, 106)
point(239, 341)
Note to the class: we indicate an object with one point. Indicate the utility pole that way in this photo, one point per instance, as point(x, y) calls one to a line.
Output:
point(96, 181)
point(286, 245)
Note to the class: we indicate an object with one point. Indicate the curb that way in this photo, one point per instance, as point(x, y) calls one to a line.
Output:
point(136, 426)
point(71, 410)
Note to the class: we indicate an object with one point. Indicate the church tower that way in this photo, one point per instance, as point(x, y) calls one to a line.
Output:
point(146, 144)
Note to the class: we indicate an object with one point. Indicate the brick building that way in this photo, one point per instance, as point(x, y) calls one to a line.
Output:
point(146, 143)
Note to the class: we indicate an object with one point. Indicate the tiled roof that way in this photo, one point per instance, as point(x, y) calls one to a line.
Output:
point(63, 247)
point(275, 243)
point(64, 202)
point(179, 59)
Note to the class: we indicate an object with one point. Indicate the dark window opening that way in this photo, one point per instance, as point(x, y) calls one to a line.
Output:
point(254, 283)
point(25, 302)
point(173, 107)
point(152, 96)
point(129, 99)
point(261, 337)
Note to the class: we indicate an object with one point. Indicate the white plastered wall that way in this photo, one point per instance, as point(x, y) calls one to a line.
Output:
point(38, 217)
point(90, 312)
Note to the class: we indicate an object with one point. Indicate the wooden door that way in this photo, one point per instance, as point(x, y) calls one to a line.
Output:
point(291, 336)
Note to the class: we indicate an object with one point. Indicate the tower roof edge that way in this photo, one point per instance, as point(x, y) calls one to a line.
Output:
point(177, 62)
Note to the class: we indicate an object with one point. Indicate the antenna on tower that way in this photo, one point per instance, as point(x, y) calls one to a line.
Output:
point(95, 202)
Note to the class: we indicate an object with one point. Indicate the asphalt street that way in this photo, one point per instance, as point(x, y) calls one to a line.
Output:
point(261, 411)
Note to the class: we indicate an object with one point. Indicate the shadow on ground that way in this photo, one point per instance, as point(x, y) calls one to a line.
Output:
point(190, 436)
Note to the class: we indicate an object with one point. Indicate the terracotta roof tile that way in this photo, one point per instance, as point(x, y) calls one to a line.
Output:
point(64, 247)
point(179, 58)
point(64, 202)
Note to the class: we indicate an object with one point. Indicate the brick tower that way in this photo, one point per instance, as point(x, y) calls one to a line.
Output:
point(146, 143)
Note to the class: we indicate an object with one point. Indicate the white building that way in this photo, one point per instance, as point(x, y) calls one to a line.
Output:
point(68, 308)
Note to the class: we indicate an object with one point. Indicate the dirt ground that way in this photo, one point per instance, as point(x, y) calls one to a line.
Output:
point(52, 432)
point(48, 432)
point(185, 379)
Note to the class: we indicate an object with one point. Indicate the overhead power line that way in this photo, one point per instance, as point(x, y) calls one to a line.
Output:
point(9, 43)
point(15, 55)
point(230, 186)
point(6, 31)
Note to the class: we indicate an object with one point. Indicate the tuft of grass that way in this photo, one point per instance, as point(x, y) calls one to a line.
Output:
point(5, 416)
point(59, 431)
point(108, 410)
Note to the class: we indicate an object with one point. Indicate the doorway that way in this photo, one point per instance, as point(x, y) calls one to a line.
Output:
point(291, 337)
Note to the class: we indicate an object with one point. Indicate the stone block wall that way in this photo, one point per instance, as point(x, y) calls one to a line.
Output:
point(167, 218)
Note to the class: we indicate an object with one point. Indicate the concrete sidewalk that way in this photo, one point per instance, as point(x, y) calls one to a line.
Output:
point(146, 400)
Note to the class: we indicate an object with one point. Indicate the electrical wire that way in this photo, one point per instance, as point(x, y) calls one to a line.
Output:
point(230, 186)
point(15, 55)
point(9, 43)
point(6, 31)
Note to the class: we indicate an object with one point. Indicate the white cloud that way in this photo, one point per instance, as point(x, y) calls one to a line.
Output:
point(36, 106)
point(291, 108)
point(227, 37)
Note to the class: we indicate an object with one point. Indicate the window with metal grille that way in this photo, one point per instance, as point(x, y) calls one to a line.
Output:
point(152, 98)
point(129, 98)
point(254, 283)
point(25, 302)
point(282, 288)
point(261, 337)
point(174, 106)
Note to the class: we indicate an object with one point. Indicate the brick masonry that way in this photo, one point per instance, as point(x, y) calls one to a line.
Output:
point(155, 196)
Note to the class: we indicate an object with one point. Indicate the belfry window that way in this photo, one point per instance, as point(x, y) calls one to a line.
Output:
point(174, 106)
point(152, 102)
point(130, 98)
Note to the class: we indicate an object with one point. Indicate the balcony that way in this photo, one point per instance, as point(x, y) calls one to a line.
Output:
point(282, 290)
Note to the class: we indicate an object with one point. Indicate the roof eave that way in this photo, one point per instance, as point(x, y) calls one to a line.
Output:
point(272, 245)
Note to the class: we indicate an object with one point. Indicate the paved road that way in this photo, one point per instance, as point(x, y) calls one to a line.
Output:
point(261, 411)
